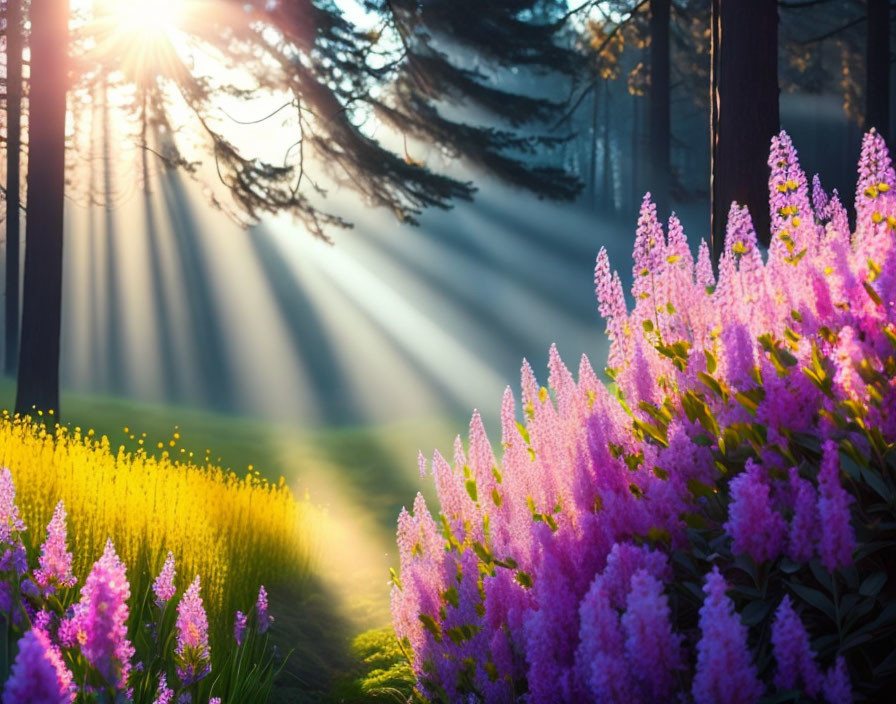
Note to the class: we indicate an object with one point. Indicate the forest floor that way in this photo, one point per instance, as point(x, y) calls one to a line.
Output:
point(355, 481)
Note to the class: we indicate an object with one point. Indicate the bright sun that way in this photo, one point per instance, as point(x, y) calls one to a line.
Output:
point(152, 18)
point(138, 35)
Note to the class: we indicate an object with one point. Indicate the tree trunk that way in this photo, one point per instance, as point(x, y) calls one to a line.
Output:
point(744, 110)
point(592, 179)
point(38, 383)
point(877, 89)
point(659, 92)
point(636, 153)
point(606, 188)
point(13, 149)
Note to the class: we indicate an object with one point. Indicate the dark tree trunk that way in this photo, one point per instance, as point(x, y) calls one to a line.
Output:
point(606, 188)
point(744, 110)
point(877, 89)
point(636, 152)
point(592, 177)
point(660, 171)
point(38, 383)
point(13, 148)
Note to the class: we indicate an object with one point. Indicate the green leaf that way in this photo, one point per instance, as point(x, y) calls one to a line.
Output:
point(470, 485)
point(816, 599)
point(523, 579)
point(886, 667)
point(431, 625)
point(698, 488)
point(450, 596)
point(876, 482)
point(872, 585)
point(393, 577)
point(482, 552)
point(711, 363)
point(755, 612)
point(872, 294)
point(788, 566)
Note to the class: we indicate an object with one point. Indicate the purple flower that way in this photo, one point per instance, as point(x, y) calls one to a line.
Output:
point(653, 650)
point(55, 560)
point(163, 586)
point(796, 661)
point(837, 689)
point(725, 672)
point(837, 541)
point(261, 611)
point(753, 524)
point(600, 659)
point(803, 526)
point(239, 627)
point(39, 676)
point(164, 695)
point(99, 623)
point(192, 654)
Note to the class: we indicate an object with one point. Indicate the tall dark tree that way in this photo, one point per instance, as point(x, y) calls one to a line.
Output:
point(659, 99)
point(877, 90)
point(38, 378)
point(13, 152)
point(744, 110)
point(410, 72)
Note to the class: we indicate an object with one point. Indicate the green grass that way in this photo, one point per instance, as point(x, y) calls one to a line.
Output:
point(359, 476)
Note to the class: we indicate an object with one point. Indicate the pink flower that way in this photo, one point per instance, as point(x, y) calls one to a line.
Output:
point(163, 586)
point(10, 523)
point(55, 560)
point(99, 623)
point(39, 676)
point(653, 650)
point(192, 653)
point(753, 524)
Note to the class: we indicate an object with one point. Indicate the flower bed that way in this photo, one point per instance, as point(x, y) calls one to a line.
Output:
point(718, 522)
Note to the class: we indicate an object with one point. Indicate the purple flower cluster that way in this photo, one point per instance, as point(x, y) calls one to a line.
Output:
point(39, 675)
point(535, 568)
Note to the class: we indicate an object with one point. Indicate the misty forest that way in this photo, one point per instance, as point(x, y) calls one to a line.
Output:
point(441, 351)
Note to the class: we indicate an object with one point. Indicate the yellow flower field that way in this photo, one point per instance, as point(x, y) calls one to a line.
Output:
point(236, 532)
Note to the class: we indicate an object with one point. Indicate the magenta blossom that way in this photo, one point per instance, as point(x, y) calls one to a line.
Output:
point(725, 672)
point(55, 559)
point(99, 623)
point(192, 654)
point(163, 586)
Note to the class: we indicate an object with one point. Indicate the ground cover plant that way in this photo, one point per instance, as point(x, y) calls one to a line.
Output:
point(717, 523)
point(222, 535)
